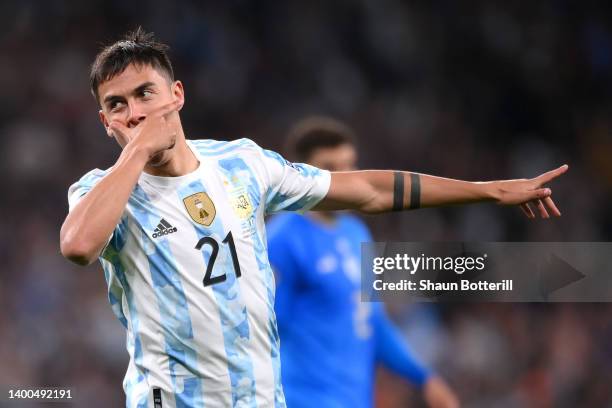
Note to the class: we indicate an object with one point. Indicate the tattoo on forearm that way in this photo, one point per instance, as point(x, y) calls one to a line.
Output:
point(415, 191)
point(398, 191)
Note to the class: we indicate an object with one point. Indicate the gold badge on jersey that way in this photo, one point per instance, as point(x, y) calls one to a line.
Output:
point(200, 208)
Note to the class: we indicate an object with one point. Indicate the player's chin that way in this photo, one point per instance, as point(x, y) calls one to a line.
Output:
point(159, 159)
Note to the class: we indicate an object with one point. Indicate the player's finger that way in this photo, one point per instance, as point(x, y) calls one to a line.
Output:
point(537, 194)
point(167, 109)
point(118, 129)
point(542, 209)
point(173, 107)
point(551, 175)
point(527, 210)
point(550, 204)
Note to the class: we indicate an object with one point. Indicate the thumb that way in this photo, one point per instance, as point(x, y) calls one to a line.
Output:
point(118, 129)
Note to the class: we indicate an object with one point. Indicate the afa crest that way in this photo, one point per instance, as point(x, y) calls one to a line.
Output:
point(200, 208)
point(239, 199)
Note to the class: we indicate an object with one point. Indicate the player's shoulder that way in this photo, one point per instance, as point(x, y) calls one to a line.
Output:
point(212, 147)
point(245, 149)
point(90, 178)
point(84, 184)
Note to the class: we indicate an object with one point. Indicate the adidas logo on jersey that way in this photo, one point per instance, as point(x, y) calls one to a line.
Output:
point(163, 228)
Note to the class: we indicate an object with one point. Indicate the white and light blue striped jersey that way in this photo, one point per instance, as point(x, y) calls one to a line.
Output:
point(188, 276)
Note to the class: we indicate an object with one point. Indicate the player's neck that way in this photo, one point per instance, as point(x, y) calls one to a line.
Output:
point(182, 161)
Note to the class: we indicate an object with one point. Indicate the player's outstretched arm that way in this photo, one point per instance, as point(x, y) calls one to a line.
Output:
point(91, 222)
point(376, 191)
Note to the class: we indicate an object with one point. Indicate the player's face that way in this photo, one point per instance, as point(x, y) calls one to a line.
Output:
point(133, 94)
point(339, 158)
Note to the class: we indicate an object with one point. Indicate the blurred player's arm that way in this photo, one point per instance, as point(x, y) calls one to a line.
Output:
point(91, 222)
point(438, 394)
point(393, 352)
point(376, 191)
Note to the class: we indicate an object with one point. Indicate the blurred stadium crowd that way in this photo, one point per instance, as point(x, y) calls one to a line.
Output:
point(473, 90)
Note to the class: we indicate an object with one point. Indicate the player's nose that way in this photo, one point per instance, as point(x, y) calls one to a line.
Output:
point(135, 115)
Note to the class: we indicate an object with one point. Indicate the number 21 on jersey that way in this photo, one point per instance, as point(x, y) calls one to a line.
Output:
point(229, 240)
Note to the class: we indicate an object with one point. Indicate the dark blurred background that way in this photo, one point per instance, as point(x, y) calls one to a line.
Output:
point(473, 90)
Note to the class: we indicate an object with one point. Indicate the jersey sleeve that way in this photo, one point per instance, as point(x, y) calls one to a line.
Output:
point(393, 352)
point(78, 190)
point(82, 187)
point(292, 186)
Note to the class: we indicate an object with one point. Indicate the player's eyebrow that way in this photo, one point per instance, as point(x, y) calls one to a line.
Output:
point(143, 86)
point(111, 98)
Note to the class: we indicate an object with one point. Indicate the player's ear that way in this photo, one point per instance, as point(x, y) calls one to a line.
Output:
point(179, 93)
point(105, 123)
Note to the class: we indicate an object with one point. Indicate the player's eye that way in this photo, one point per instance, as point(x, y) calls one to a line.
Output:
point(146, 93)
point(115, 106)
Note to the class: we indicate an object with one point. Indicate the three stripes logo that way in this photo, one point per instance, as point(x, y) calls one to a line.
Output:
point(157, 398)
point(163, 228)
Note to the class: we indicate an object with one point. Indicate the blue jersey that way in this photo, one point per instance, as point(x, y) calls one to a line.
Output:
point(188, 276)
point(330, 339)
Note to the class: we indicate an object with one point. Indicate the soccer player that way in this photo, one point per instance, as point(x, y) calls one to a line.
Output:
point(178, 226)
point(331, 341)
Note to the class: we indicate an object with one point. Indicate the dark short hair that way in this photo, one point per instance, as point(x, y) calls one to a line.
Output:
point(136, 47)
point(316, 132)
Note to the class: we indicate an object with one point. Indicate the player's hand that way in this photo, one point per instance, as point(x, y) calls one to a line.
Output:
point(437, 394)
point(156, 133)
point(531, 192)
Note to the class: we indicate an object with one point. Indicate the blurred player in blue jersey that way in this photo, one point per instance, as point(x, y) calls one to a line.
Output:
point(331, 340)
point(178, 226)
